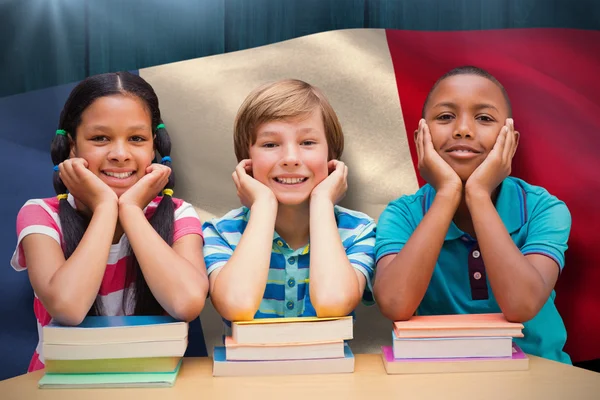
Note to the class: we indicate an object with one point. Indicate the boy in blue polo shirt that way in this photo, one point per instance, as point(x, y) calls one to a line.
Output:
point(289, 251)
point(473, 240)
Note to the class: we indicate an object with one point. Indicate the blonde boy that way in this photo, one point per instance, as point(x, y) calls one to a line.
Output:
point(290, 250)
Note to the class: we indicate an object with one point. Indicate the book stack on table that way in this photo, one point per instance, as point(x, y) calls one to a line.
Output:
point(122, 351)
point(454, 343)
point(286, 346)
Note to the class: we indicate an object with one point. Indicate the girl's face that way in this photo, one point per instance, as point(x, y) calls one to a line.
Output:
point(115, 137)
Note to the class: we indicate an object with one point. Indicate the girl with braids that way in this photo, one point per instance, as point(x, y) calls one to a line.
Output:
point(113, 241)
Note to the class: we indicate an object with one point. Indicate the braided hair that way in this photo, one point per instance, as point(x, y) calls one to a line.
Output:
point(74, 223)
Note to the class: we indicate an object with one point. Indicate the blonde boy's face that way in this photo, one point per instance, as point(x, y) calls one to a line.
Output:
point(290, 157)
point(465, 114)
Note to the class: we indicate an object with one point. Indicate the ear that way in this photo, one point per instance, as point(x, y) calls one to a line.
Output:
point(517, 136)
point(72, 146)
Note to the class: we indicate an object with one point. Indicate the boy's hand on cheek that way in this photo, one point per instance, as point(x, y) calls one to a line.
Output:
point(497, 165)
point(147, 188)
point(249, 190)
point(334, 187)
point(84, 185)
point(432, 167)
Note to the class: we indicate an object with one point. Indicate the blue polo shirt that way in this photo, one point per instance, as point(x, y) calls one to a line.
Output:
point(537, 222)
point(287, 292)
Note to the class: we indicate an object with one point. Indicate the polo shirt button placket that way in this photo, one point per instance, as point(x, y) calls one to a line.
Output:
point(479, 289)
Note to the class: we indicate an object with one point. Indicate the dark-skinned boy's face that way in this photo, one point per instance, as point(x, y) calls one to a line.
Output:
point(465, 114)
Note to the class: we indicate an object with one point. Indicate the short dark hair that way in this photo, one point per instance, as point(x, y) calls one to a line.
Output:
point(469, 70)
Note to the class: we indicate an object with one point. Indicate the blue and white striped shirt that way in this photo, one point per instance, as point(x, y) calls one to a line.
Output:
point(287, 291)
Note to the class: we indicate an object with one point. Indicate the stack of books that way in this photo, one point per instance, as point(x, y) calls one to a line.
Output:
point(286, 346)
point(130, 351)
point(454, 343)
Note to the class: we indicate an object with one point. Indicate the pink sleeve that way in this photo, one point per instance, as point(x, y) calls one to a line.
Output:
point(186, 221)
point(36, 216)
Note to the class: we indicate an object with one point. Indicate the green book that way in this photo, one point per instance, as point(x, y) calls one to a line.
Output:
point(125, 380)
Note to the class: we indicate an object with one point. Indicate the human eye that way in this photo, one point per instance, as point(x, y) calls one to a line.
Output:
point(485, 118)
point(138, 138)
point(308, 142)
point(268, 145)
point(445, 117)
point(99, 138)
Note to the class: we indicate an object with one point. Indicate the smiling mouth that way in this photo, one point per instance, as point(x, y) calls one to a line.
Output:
point(290, 181)
point(118, 175)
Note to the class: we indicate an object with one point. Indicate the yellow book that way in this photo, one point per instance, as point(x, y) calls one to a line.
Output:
point(292, 330)
point(112, 365)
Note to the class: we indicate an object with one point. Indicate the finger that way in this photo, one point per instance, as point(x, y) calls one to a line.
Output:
point(241, 170)
point(500, 142)
point(509, 141)
point(80, 161)
point(427, 141)
point(345, 173)
point(79, 168)
point(64, 174)
point(331, 166)
point(67, 170)
point(236, 181)
point(419, 140)
point(515, 141)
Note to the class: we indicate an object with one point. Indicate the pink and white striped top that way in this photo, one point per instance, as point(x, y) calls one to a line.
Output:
point(41, 216)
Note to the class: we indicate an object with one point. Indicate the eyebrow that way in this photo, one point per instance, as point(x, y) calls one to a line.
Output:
point(104, 128)
point(479, 106)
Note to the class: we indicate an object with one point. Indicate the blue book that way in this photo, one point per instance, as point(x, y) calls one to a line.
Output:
point(117, 329)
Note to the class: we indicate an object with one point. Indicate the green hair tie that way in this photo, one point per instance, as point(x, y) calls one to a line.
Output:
point(159, 126)
point(61, 132)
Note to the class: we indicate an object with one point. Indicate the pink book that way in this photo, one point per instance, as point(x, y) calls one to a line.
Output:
point(457, 325)
point(518, 362)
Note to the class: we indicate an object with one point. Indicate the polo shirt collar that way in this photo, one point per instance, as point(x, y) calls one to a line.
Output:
point(510, 204)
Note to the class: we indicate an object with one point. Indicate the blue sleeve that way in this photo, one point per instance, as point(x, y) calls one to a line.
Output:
point(217, 251)
point(360, 253)
point(548, 230)
point(395, 226)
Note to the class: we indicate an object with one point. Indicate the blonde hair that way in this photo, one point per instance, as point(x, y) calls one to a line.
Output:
point(283, 100)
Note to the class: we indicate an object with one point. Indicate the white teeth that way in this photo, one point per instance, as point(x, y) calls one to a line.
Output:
point(290, 181)
point(121, 175)
point(462, 151)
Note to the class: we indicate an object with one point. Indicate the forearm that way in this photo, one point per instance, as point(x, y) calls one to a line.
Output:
point(239, 287)
point(518, 287)
point(401, 284)
point(178, 286)
point(334, 287)
point(75, 285)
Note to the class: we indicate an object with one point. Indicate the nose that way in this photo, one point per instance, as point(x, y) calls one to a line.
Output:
point(463, 128)
point(291, 156)
point(119, 151)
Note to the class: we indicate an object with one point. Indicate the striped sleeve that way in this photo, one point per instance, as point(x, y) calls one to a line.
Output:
point(36, 216)
point(549, 229)
point(217, 251)
point(187, 222)
point(359, 244)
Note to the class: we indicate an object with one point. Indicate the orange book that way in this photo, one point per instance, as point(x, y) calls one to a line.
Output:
point(458, 325)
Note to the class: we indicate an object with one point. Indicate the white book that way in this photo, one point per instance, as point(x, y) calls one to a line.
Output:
point(116, 329)
point(167, 348)
point(289, 351)
point(292, 330)
point(222, 367)
point(460, 347)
